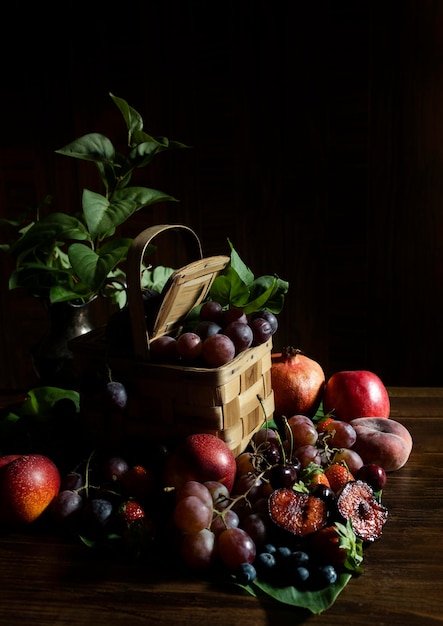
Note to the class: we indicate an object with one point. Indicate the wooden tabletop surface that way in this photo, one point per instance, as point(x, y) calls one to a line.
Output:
point(48, 580)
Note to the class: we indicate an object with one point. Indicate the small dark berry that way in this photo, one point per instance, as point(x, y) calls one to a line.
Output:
point(325, 575)
point(300, 576)
point(245, 574)
point(269, 547)
point(265, 562)
point(283, 552)
point(299, 558)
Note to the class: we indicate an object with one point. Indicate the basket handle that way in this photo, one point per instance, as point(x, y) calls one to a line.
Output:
point(134, 278)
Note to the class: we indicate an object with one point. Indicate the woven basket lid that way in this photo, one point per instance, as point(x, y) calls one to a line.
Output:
point(186, 288)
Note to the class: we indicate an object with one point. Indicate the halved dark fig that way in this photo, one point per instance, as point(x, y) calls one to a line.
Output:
point(357, 503)
point(299, 513)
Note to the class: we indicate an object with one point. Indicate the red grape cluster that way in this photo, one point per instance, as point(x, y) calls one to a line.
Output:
point(206, 516)
point(219, 335)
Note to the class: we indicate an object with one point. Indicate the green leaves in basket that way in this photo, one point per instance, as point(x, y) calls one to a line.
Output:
point(314, 601)
point(237, 286)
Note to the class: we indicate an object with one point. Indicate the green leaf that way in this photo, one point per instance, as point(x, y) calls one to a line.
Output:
point(36, 277)
point(237, 286)
point(133, 119)
point(156, 278)
point(104, 216)
point(42, 399)
point(135, 198)
point(95, 207)
point(91, 147)
point(352, 544)
point(314, 601)
point(228, 289)
point(143, 153)
point(93, 267)
point(260, 292)
point(44, 233)
point(243, 271)
point(62, 293)
point(267, 292)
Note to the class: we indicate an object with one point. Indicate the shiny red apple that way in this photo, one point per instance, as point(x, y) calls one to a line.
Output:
point(28, 484)
point(200, 457)
point(356, 393)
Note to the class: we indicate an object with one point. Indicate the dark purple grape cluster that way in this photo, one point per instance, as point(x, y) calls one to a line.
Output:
point(218, 336)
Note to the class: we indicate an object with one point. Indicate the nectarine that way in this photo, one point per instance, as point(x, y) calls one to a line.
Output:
point(28, 484)
point(381, 441)
point(200, 457)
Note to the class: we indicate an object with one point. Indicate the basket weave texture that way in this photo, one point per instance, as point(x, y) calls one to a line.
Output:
point(168, 402)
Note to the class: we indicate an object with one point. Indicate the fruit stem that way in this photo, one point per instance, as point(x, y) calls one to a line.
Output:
point(260, 399)
point(289, 351)
point(242, 496)
point(290, 437)
point(87, 471)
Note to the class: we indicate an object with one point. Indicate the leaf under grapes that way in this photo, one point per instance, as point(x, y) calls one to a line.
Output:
point(314, 601)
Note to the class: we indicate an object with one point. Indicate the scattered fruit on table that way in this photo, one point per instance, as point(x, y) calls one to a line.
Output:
point(295, 508)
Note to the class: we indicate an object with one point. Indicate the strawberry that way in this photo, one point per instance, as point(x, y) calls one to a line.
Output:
point(128, 512)
point(299, 513)
point(338, 545)
point(338, 475)
point(313, 474)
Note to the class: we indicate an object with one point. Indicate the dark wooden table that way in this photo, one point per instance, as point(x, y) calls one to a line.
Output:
point(48, 580)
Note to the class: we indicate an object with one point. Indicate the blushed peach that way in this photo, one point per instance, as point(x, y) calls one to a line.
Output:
point(382, 441)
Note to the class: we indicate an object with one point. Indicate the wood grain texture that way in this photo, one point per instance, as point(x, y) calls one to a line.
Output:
point(47, 579)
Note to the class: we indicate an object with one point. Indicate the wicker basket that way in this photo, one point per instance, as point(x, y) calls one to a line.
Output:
point(167, 402)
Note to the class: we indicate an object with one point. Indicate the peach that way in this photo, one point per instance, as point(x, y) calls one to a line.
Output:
point(382, 441)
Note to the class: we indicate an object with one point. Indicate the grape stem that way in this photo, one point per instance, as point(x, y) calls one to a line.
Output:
point(242, 496)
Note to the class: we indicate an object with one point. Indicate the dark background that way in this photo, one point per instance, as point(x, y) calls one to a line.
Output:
point(317, 148)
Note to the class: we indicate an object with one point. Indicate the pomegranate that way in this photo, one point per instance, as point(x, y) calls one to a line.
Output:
point(298, 383)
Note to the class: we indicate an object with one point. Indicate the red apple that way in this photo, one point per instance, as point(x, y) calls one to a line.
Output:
point(356, 393)
point(28, 484)
point(200, 457)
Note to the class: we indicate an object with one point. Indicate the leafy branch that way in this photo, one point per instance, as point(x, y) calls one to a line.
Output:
point(73, 258)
